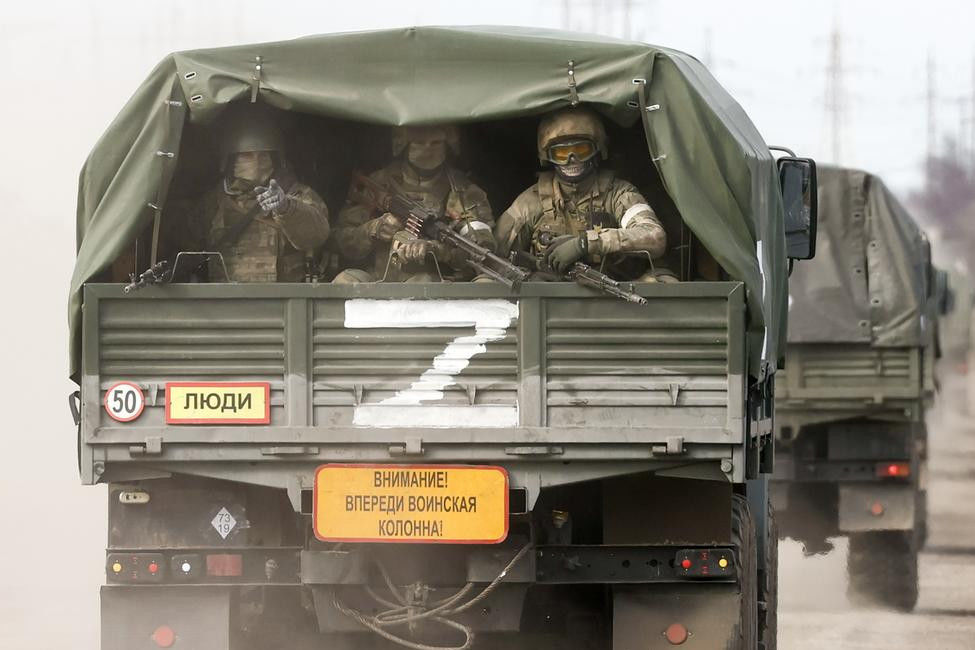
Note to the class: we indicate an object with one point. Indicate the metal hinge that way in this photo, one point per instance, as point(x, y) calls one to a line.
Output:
point(300, 450)
point(538, 450)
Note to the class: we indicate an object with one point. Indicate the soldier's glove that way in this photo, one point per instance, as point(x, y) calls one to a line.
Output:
point(272, 198)
point(565, 251)
point(416, 250)
point(383, 228)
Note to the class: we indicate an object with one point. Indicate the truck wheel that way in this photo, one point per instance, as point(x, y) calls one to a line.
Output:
point(745, 634)
point(769, 589)
point(921, 515)
point(882, 568)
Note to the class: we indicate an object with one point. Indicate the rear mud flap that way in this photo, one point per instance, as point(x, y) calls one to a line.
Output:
point(641, 615)
point(147, 618)
point(872, 506)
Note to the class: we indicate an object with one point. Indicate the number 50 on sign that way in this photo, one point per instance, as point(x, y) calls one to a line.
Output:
point(124, 401)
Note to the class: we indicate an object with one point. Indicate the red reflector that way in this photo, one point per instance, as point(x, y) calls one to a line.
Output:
point(676, 634)
point(164, 637)
point(877, 509)
point(153, 567)
point(226, 565)
point(685, 563)
point(893, 470)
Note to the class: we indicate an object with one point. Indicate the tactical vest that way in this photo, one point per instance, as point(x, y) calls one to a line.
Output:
point(565, 218)
point(261, 252)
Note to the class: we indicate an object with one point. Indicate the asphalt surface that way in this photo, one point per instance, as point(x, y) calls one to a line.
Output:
point(814, 612)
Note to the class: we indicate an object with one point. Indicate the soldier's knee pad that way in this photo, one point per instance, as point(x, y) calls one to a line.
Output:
point(423, 276)
point(353, 276)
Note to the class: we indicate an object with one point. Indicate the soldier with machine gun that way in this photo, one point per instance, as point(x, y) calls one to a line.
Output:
point(369, 235)
point(577, 212)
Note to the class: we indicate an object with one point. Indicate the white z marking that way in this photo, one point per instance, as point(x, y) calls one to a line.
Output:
point(490, 320)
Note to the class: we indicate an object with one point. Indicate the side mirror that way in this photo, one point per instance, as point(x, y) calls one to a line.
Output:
point(797, 177)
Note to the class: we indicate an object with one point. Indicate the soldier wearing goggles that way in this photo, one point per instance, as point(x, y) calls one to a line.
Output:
point(577, 211)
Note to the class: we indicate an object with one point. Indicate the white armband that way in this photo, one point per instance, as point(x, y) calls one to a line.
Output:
point(632, 212)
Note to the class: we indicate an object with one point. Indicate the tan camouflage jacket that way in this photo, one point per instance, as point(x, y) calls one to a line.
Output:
point(450, 192)
point(272, 248)
point(557, 208)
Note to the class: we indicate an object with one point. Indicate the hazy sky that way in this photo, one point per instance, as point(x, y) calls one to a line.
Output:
point(67, 68)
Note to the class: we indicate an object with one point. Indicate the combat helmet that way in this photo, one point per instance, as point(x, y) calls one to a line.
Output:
point(249, 131)
point(403, 135)
point(568, 124)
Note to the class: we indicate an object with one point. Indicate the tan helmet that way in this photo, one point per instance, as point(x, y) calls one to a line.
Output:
point(569, 123)
point(403, 135)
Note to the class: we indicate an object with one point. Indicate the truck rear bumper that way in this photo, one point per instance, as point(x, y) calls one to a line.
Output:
point(874, 506)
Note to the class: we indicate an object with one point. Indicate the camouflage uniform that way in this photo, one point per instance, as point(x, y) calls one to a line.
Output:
point(274, 246)
point(553, 207)
point(448, 192)
point(577, 201)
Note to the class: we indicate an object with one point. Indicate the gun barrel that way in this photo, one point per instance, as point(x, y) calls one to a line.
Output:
point(590, 277)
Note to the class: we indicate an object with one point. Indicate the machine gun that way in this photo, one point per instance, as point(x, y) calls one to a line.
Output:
point(589, 277)
point(425, 223)
point(155, 274)
point(581, 274)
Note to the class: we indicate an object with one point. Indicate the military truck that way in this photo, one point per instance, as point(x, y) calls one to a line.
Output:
point(850, 430)
point(442, 465)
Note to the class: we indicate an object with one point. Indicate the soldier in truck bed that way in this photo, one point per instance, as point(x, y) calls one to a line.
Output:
point(421, 169)
point(577, 211)
point(265, 223)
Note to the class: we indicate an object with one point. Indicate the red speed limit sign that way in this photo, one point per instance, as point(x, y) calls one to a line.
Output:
point(124, 401)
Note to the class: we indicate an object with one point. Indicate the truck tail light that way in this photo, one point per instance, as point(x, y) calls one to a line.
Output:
point(225, 565)
point(135, 567)
point(704, 563)
point(893, 470)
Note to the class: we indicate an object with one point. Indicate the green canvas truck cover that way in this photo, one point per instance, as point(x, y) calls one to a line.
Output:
point(714, 164)
point(867, 281)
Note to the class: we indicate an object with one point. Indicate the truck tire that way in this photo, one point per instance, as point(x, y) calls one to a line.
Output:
point(921, 516)
point(882, 568)
point(745, 634)
point(768, 592)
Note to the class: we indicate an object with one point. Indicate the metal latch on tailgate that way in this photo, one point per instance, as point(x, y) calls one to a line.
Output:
point(673, 447)
point(410, 447)
point(152, 447)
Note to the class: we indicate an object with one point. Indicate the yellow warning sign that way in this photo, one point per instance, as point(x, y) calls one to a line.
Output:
point(447, 504)
point(228, 402)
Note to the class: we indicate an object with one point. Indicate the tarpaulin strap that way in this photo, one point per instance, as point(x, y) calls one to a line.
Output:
point(256, 78)
point(156, 218)
point(573, 94)
point(645, 110)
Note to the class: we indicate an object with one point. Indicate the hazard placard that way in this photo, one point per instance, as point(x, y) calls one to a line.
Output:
point(448, 504)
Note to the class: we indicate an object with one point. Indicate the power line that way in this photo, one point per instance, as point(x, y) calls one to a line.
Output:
point(932, 101)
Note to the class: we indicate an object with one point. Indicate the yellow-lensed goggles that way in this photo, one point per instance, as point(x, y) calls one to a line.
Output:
point(581, 150)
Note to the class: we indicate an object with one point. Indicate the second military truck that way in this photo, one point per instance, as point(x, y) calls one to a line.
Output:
point(850, 405)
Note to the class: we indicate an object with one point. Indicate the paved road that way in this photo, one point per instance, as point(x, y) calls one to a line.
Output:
point(814, 613)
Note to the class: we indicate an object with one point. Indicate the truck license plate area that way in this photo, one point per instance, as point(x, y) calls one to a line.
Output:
point(445, 504)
